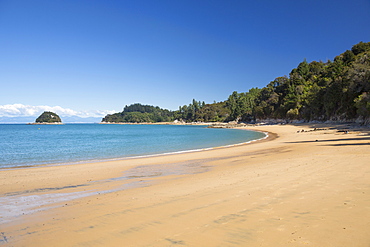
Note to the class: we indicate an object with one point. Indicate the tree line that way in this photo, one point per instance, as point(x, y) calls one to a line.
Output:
point(138, 113)
point(333, 90)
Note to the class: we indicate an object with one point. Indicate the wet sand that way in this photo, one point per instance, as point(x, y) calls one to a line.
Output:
point(294, 189)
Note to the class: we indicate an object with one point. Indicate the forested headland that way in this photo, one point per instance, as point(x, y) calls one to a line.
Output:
point(138, 113)
point(337, 90)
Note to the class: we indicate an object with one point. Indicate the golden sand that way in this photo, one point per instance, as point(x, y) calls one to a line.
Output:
point(300, 189)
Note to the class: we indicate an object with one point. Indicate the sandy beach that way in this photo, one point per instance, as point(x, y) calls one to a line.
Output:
point(295, 188)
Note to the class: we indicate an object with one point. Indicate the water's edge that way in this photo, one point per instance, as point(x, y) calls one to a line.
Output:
point(134, 156)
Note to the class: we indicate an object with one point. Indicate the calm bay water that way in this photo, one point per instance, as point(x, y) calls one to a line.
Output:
point(24, 145)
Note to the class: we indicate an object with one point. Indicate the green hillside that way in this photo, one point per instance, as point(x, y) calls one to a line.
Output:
point(337, 90)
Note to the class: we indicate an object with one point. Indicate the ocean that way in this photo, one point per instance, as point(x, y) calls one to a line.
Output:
point(31, 145)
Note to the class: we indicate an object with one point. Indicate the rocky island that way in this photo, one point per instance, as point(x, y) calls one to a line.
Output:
point(48, 117)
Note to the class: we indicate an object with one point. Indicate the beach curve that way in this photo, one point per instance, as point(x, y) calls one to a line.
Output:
point(303, 188)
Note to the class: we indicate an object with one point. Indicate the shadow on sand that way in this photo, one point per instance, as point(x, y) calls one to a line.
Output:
point(332, 142)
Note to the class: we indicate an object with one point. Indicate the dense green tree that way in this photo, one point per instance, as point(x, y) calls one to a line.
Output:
point(216, 112)
point(232, 104)
point(360, 48)
point(348, 57)
point(138, 113)
point(242, 105)
point(303, 69)
point(362, 103)
point(48, 117)
point(332, 90)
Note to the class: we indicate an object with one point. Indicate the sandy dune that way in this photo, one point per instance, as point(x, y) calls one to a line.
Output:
point(299, 189)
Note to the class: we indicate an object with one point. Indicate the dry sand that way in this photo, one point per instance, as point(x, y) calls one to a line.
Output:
point(299, 189)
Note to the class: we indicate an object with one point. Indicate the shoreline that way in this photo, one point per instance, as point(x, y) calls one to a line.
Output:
point(45, 123)
point(302, 188)
point(142, 155)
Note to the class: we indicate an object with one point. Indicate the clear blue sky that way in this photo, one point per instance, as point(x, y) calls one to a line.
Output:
point(103, 55)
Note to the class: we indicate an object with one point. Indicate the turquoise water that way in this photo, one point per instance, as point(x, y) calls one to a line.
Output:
point(25, 145)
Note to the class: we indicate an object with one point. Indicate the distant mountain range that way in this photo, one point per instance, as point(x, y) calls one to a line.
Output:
point(72, 119)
